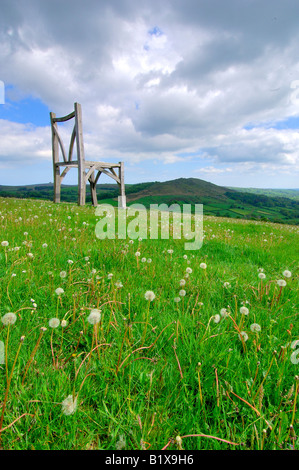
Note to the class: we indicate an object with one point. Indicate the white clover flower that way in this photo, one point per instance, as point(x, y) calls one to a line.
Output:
point(261, 275)
point(94, 316)
point(30, 255)
point(287, 273)
point(9, 318)
point(255, 327)
point(110, 276)
point(4, 243)
point(203, 266)
point(69, 405)
point(281, 283)
point(182, 293)
point(149, 295)
point(70, 261)
point(243, 335)
point(54, 322)
point(244, 310)
point(59, 290)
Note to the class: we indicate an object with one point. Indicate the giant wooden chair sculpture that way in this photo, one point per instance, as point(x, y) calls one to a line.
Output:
point(87, 170)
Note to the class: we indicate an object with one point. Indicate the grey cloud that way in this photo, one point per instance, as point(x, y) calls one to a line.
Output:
point(230, 64)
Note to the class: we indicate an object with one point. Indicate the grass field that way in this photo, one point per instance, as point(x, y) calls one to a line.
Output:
point(169, 349)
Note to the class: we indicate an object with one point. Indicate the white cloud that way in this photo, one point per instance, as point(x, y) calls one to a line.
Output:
point(22, 144)
point(158, 83)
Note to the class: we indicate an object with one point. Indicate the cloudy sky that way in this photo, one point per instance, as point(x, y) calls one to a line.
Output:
point(174, 88)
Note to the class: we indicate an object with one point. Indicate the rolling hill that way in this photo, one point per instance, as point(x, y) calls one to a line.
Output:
point(217, 200)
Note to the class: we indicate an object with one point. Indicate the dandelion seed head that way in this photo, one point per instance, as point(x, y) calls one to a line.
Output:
point(188, 270)
point(59, 290)
point(62, 274)
point(4, 243)
point(216, 318)
point(255, 327)
point(54, 322)
point(69, 405)
point(244, 310)
point(262, 275)
point(223, 312)
point(203, 266)
point(182, 293)
point(243, 335)
point(9, 318)
point(287, 273)
point(94, 317)
point(149, 295)
point(281, 283)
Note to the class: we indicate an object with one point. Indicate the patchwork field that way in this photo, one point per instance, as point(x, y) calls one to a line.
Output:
point(141, 344)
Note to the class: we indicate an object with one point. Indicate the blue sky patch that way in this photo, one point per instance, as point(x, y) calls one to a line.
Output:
point(289, 123)
point(155, 31)
point(26, 110)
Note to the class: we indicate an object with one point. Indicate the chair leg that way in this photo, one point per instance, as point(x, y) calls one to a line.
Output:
point(93, 190)
point(81, 187)
point(122, 186)
point(57, 184)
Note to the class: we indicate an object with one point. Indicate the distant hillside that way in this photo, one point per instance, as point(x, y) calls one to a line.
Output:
point(187, 187)
point(217, 200)
point(288, 193)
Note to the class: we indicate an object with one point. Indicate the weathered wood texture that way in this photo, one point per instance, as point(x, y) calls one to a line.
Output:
point(88, 171)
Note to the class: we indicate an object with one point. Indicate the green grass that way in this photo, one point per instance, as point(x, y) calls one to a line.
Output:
point(148, 371)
